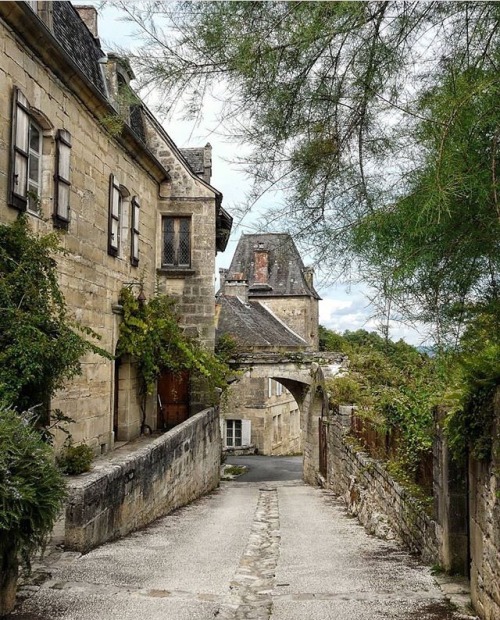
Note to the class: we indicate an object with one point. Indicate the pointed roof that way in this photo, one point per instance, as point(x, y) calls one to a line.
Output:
point(286, 271)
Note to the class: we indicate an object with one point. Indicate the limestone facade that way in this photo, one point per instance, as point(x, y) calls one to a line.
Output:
point(128, 182)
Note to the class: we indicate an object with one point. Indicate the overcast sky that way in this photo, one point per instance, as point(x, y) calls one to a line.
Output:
point(342, 307)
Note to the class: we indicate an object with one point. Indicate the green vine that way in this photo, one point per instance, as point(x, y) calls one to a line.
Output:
point(152, 335)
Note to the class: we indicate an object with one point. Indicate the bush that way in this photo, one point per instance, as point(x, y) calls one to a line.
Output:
point(76, 459)
point(32, 492)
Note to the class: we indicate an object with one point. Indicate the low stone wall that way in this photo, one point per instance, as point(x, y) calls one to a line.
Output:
point(134, 490)
point(383, 506)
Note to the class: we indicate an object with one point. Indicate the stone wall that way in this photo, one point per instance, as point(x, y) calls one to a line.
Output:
point(300, 314)
point(134, 490)
point(383, 506)
point(485, 529)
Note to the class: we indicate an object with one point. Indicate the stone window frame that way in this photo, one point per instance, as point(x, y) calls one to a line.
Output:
point(62, 182)
point(176, 264)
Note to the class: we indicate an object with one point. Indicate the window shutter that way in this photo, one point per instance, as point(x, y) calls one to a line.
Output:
point(246, 432)
point(18, 180)
point(114, 216)
point(134, 232)
point(62, 178)
point(222, 423)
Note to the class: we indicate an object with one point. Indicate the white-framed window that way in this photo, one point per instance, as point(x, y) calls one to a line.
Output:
point(279, 388)
point(233, 433)
point(238, 433)
point(134, 232)
point(62, 187)
point(176, 242)
point(269, 388)
point(115, 216)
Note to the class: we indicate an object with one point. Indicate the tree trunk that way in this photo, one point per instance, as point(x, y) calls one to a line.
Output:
point(9, 570)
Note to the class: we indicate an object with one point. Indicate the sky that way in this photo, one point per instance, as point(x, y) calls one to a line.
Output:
point(342, 307)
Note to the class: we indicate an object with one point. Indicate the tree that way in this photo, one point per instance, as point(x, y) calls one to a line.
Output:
point(379, 119)
point(40, 347)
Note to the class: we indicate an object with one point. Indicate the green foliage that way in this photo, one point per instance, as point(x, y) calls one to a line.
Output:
point(40, 347)
point(75, 460)
point(395, 387)
point(32, 489)
point(474, 381)
point(151, 334)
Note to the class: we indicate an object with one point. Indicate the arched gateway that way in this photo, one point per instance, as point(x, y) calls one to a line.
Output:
point(303, 374)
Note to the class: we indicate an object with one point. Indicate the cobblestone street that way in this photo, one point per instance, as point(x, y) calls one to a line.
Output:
point(263, 550)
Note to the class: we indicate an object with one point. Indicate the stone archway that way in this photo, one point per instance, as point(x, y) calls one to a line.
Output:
point(304, 376)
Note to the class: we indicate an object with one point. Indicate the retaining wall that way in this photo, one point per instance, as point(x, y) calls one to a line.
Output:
point(382, 505)
point(134, 490)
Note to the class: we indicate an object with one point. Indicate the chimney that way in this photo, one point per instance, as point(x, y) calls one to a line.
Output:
point(236, 285)
point(261, 264)
point(309, 276)
point(207, 162)
point(88, 15)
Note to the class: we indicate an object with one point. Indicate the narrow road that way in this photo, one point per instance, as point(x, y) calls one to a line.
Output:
point(270, 550)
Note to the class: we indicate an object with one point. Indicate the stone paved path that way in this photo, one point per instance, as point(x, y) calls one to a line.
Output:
point(267, 551)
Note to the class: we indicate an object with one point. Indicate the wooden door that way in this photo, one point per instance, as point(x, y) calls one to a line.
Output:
point(173, 399)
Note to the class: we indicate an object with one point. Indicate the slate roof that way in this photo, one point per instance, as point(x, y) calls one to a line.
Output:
point(286, 269)
point(195, 159)
point(253, 326)
point(78, 42)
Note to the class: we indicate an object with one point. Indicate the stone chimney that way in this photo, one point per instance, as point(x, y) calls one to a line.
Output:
point(207, 162)
point(309, 276)
point(236, 285)
point(261, 264)
point(88, 15)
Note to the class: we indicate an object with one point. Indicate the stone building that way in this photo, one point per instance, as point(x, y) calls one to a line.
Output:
point(84, 156)
point(266, 304)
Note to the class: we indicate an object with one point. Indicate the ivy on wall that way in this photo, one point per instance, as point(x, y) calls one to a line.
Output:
point(151, 334)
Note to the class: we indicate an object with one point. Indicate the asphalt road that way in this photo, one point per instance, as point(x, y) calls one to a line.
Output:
point(267, 550)
point(268, 468)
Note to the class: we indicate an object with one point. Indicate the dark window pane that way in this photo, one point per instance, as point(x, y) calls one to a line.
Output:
point(168, 241)
point(34, 138)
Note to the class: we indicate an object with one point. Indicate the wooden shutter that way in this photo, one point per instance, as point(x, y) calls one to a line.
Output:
point(18, 180)
point(62, 178)
point(114, 216)
point(246, 432)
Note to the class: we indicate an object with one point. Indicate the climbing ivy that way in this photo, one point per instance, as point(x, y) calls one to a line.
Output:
point(151, 334)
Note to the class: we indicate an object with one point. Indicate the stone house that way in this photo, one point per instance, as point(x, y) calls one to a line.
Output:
point(84, 156)
point(267, 304)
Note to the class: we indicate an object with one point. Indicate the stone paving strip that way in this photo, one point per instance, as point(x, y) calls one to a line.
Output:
point(254, 580)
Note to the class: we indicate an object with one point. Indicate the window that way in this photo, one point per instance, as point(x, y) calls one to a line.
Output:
point(238, 433)
point(279, 388)
point(269, 388)
point(134, 232)
point(233, 433)
point(176, 242)
point(26, 157)
point(115, 215)
point(62, 179)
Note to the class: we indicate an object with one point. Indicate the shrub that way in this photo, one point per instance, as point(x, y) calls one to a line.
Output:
point(76, 459)
point(32, 491)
